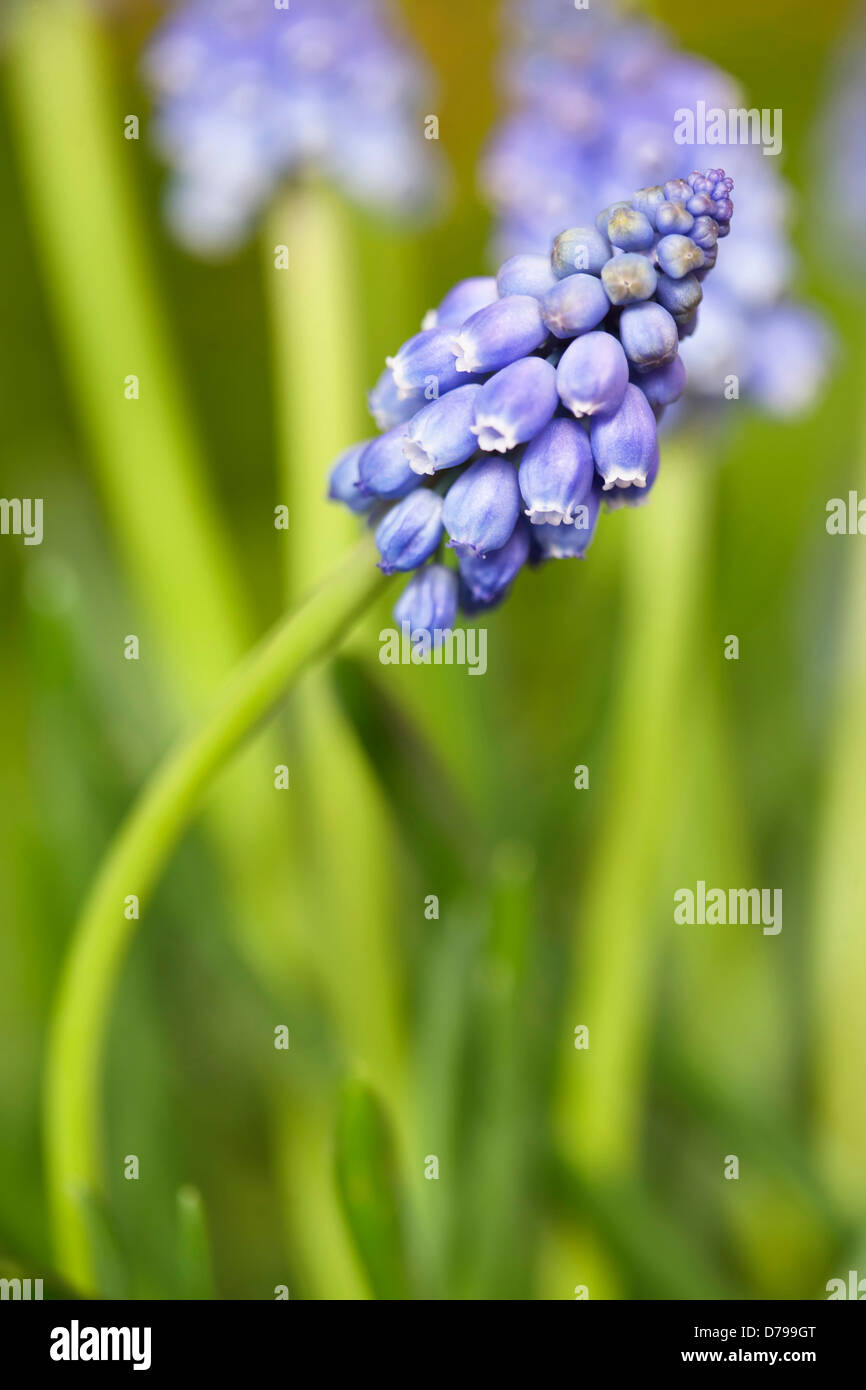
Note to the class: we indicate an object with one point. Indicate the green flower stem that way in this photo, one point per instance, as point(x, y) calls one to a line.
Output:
point(77, 168)
point(318, 369)
point(600, 1092)
point(133, 865)
point(317, 350)
point(370, 1189)
point(78, 172)
point(195, 1279)
point(839, 946)
point(599, 1096)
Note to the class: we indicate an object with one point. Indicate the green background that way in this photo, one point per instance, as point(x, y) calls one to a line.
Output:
point(558, 1168)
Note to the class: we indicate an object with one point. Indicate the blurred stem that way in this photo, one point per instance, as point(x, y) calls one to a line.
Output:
point(318, 370)
point(134, 864)
point(194, 1264)
point(317, 1236)
point(839, 946)
point(447, 971)
point(370, 1189)
point(316, 335)
point(503, 1123)
point(643, 1238)
point(601, 1089)
point(76, 166)
point(358, 966)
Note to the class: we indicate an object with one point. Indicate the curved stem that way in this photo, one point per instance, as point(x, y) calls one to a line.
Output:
point(601, 1091)
point(133, 865)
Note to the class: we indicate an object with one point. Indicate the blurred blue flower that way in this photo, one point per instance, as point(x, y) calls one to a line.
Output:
point(840, 138)
point(592, 96)
point(249, 95)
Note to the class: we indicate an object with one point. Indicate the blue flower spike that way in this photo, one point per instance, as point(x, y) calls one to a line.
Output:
point(482, 507)
point(592, 374)
point(505, 430)
point(498, 335)
point(515, 404)
point(465, 299)
point(383, 469)
point(556, 473)
point(429, 602)
point(625, 444)
point(579, 249)
point(441, 435)
point(409, 533)
point(489, 577)
point(575, 305)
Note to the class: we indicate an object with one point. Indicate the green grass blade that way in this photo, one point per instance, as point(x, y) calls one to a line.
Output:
point(194, 1266)
point(497, 1240)
point(367, 1176)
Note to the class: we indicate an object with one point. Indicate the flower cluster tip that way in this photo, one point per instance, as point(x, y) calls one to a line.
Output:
point(529, 397)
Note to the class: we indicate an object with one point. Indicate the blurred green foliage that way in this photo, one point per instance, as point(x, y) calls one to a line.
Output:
point(729, 1041)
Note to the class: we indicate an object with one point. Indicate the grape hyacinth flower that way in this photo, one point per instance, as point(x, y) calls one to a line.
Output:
point(429, 602)
point(408, 534)
point(537, 417)
point(591, 99)
point(250, 94)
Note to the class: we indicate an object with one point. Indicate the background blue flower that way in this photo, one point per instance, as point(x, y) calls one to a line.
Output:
point(249, 95)
point(590, 102)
